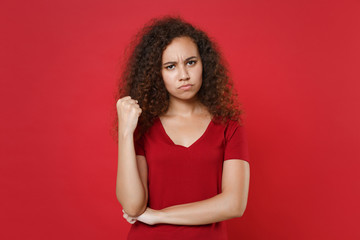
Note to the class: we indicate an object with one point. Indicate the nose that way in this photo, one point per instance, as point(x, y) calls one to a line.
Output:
point(184, 75)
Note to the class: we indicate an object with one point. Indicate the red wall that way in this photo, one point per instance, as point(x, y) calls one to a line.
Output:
point(296, 67)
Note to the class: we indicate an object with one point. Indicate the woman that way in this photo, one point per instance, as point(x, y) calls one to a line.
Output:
point(183, 158)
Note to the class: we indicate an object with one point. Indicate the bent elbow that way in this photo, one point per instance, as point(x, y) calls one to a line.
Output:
point(241, 212)
point(133, 213)
point(238, 210)
point(238, 213)
point(132, 209)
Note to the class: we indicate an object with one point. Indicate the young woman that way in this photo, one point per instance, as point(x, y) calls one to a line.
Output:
point(183, 159)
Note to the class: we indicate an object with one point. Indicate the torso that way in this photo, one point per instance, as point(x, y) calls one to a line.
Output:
point(179, 175)
point(185, 131)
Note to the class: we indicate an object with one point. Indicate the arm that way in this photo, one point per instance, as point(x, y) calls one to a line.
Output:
point(229, 204)
point(131, 190)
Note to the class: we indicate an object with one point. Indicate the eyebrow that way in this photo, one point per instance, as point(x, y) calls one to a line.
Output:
point(185, 60)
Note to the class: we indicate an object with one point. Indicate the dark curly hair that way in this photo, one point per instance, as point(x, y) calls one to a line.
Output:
point(142, 80)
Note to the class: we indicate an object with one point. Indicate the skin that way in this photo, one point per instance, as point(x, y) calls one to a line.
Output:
point(129, 185)
point(182, 65)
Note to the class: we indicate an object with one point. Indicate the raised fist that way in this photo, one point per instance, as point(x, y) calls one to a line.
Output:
point(128, 111)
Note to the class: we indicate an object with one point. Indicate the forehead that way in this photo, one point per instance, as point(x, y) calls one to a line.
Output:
point(180, 47)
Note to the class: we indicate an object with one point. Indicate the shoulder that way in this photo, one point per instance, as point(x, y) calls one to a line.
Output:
point(228, 124)
point(233, 126)
point(227, 128)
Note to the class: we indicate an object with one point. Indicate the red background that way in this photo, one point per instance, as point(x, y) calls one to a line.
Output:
point(296, 68)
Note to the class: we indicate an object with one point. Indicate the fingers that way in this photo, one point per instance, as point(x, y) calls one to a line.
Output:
point(127, 102)
point(128, 218)
point(133, 101)
point(128, 99)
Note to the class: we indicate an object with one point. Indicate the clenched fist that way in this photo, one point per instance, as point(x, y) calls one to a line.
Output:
point(128, 111)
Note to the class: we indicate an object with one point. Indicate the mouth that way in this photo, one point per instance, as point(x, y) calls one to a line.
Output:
point(185, 87)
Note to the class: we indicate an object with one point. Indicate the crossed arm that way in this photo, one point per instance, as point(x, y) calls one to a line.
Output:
point(230, 203)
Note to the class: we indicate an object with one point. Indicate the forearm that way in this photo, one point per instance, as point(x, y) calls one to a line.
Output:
point(129, 189)
point(211, 210)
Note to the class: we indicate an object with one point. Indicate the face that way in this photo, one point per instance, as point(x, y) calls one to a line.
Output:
point(182, 68)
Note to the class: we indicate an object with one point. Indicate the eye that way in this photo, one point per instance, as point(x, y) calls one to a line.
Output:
point(170, 67)
point(191, 62)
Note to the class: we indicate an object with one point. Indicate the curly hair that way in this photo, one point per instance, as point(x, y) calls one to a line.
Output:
point(142, 80)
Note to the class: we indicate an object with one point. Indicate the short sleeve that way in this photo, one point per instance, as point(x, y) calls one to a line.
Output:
point(139, 145)
point(236, 145)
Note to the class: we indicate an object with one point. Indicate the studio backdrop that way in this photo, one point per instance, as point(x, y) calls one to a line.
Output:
point(295, 66)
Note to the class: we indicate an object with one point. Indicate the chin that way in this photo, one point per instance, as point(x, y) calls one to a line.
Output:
point(189, 97)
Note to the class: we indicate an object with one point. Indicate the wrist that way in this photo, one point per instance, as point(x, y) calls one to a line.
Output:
point(160, 217)
point(125, 134)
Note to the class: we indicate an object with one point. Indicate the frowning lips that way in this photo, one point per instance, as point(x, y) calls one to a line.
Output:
point(184, 86)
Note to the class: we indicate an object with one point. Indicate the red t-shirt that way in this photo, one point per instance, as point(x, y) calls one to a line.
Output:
point(179, 175)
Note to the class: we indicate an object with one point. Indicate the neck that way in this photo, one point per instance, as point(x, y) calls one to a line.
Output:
point(185, 108)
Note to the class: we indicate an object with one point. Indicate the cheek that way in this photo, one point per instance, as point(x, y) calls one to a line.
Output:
point(198, 72)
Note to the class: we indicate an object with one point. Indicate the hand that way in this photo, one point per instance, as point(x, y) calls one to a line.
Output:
point(150, 217)
point(128, 111)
